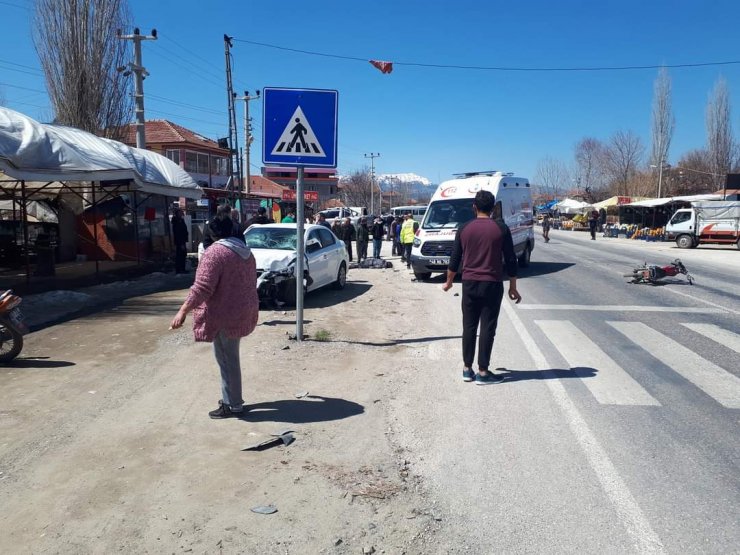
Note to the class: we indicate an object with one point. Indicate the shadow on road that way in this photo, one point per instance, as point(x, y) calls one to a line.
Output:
point(313, 408)
point(394, 342)
point(32, 362)
point(327, 296)
point(544, 268)
point(554, 373)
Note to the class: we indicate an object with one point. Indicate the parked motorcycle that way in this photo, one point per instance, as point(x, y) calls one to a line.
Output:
point(652, 273)
point(12, 327)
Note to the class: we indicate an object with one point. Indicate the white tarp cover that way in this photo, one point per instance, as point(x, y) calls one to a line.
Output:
point(718, 210)
point(43, 152)
point(572, 206)
point(651, 202)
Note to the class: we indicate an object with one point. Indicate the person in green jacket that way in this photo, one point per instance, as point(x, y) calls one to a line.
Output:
point(289, 219)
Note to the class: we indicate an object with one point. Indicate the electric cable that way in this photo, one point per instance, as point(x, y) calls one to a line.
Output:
point(497, 68)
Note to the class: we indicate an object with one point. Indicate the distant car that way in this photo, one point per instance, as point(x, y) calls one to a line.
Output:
point(274, 250)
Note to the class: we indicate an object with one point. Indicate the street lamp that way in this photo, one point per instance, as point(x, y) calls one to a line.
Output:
point(660, 167)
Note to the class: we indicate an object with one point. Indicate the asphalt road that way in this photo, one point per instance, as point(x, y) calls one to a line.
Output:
point(616, 429)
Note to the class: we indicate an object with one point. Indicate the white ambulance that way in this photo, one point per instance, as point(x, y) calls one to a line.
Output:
point(452, 205)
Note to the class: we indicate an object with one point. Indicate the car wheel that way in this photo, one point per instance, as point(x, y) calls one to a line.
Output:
point(422, 276)
point(341, 277)
point(684, 242)
point(287, 292)
point(525, 257)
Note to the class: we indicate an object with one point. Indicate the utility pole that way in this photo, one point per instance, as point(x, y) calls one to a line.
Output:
point(372, 156)
point(235, 170)
point(248, 138)
point(140, 73)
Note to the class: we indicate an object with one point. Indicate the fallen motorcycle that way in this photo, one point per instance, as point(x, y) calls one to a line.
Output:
point(653, 273)
point(12, 327)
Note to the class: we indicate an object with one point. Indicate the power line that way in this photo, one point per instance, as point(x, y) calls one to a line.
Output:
point(27, 8)
point(185, 105)
point(36, 69)
point(496, 68)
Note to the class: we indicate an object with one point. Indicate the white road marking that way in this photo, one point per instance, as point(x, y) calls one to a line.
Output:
point(718, 334)
point(628, 511)
point(611, 385)
point(677, 292)
point(707, 376)
point(623, 308)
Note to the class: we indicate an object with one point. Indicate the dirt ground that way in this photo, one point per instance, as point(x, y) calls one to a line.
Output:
point(106, 445)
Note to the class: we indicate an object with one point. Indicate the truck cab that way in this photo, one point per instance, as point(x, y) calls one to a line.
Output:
point(681, 228)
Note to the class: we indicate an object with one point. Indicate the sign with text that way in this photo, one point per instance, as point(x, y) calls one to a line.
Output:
point(310, 196)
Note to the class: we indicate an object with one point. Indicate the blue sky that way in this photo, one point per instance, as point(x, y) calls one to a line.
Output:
point(430, 121)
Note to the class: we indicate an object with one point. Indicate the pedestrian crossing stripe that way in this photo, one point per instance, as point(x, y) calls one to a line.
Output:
point(608, 382)
point(716, 382)
point(715, 333)
point(298, 138)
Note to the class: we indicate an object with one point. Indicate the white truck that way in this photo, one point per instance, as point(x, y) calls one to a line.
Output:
point(452, 205)
point(709, 221)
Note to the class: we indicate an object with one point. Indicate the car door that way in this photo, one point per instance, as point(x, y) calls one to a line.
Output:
point(335, 253)
point(318, 259)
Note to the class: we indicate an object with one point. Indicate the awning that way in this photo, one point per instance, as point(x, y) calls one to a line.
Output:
point(652, 202)
point(571, 206)
point(42, 153)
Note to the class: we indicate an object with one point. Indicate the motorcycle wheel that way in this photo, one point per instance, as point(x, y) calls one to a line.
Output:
point(11, 342)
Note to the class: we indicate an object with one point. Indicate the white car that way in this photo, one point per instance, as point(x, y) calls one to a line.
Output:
point(274, 250)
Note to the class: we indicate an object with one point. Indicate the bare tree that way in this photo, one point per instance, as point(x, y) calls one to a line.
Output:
point(720, 142)
point(551, 177)
point(622, 157)
point(589, 157)
point(79, 50)
point(355, 188)
point(663, 122)
point(693, 173)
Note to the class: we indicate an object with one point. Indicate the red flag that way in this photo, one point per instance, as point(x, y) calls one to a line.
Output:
point(384, 67)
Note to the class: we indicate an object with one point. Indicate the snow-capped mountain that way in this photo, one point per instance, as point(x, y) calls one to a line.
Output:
point(387, 179)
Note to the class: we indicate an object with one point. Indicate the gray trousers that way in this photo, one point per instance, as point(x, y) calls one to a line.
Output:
point(226, 350)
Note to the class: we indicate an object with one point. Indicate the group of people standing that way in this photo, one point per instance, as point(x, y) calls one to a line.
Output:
point(363, 234)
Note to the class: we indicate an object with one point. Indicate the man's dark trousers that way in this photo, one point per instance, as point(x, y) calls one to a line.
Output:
point(181, 254)
point(481, 302)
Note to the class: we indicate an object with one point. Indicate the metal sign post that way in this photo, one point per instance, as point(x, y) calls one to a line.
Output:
point(300, 254)
point(299, 129)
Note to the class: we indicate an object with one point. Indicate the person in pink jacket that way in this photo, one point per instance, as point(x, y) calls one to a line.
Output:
point(225, 308)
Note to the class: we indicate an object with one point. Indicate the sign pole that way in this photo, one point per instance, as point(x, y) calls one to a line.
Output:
point(299, 256)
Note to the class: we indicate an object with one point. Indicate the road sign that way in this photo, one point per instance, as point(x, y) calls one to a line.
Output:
point(300, 127)
point(310, 196)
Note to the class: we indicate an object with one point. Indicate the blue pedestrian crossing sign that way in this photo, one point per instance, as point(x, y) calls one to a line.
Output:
point(299, 127)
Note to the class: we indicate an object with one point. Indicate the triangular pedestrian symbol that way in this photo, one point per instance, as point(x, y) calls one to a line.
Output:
point(298, 138)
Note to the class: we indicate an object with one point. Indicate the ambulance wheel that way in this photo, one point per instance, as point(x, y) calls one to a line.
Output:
point(422, 276)
point(525, 257)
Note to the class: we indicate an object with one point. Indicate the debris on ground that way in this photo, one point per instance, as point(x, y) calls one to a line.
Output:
point(264, 509)
point(284, 439)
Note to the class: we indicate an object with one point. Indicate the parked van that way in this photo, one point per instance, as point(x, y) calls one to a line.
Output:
point(711, 221)
point(452, 205)
point(417, 212)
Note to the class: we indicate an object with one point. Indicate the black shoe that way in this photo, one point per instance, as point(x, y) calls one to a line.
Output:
point(224, 411)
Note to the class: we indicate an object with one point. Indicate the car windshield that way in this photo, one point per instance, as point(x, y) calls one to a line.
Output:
point(448, 213)
point(261, 237)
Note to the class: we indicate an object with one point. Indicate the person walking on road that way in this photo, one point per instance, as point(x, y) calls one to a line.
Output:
point(546, 228)
point(347, 234)
point(593, 222)
point(483, 249)
point(321, 220)
point(408, 229)
point(225, 308)
point(180, 236)
point(378, 231)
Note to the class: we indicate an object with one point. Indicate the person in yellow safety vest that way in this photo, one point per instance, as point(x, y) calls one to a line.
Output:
point(408, 229)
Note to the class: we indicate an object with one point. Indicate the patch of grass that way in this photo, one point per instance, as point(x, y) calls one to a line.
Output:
point(322, 335)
